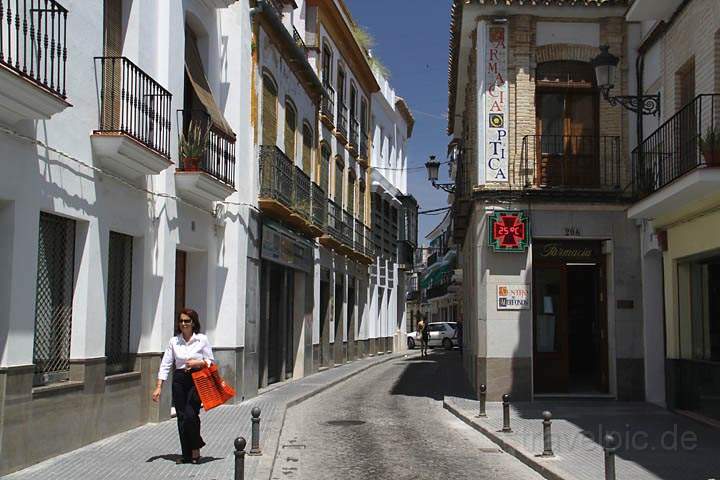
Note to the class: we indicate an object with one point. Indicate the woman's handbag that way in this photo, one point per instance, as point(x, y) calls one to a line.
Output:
point(211, 388)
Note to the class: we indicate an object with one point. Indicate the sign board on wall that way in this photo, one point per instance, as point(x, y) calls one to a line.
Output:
point(513, 297)
point(496, 106)
point(509, 231)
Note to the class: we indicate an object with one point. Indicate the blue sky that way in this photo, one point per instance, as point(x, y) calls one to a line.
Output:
point(412, 41)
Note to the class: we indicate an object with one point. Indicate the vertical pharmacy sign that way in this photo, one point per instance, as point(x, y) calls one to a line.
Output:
point(495, 104)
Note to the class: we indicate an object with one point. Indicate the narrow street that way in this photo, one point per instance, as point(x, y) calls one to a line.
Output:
point(389, 423)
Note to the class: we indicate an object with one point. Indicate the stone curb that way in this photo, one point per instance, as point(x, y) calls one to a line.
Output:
point(529, 459)
point(261, 470)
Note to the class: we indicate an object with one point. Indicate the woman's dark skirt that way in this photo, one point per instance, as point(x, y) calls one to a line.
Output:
point(187, 407)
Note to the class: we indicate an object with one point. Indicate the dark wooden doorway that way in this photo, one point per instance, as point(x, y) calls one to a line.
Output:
point(567, 145)
point(570, 352)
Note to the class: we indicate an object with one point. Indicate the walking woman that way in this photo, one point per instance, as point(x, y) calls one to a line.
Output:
point(189, 350)
point(424, 337)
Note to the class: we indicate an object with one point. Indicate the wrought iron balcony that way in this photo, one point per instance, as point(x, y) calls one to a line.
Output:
point(346, 234)
point(334, 220)
point(319, 206)
point(33, 41)
point(369, 245)
point(341, 123)
point(364, 140)
point(301, 193)
point(570, 163)
point(276, 175)
point(298, 39)
point(134, 104)
point(327, 105)
point(359, 245)
point(219, 157)
point(354, 129)
point(687, 141)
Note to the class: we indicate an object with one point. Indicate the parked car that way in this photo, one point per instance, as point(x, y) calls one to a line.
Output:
point(442, 334)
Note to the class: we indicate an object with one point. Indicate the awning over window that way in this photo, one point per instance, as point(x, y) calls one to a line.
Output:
point(201, 86)
point(434, 273)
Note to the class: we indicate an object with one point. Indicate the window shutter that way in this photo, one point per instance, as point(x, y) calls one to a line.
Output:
point(290, 131)
point(361, 201)
point(338, 183)
point(113, 28)
point(325, 169)
point(307, 149)
point(112, 69)
point(269, 113)
point(351, 193)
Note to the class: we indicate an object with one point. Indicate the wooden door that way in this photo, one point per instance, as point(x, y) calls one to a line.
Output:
point(180, 275)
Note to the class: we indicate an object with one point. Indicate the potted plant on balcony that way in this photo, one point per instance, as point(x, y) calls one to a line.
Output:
point(193, 143)
point(710, 146)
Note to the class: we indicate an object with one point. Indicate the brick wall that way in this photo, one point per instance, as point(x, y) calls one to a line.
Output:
point(523, 58)
point(694, 33)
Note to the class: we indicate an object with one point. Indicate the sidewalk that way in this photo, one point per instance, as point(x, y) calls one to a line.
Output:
point(654, 443)
point(149, 451)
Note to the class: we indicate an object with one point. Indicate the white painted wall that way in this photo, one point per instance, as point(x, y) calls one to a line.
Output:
point(40, 179)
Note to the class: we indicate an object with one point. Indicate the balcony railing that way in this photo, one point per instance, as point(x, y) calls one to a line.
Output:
point(341, 122)
point(569, 162)
point(298, 39)
point(327, 106)
point(359, 245)
point(346, 234)
point(364, 140)
point(319, 206)
point(688, 140)
point(334, 220)
point(132, 103)
point(33, 41)
point(369, 246)
point(219, 157)
point(276, 175)
point(354, 128)
point(301, 193)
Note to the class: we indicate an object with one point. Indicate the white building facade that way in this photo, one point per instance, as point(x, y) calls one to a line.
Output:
point(106, 230)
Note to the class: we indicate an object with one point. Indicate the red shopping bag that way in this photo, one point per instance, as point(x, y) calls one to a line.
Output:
point(211, 388)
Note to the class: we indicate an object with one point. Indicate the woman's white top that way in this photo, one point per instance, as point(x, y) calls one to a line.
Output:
point(180, 351)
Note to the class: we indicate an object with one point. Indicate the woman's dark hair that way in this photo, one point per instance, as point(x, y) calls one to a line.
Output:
point(193, 316)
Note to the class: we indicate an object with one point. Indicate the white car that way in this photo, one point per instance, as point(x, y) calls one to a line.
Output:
point(442, 334)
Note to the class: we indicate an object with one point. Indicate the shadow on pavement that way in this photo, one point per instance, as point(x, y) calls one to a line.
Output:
point(174, 457)
point(439, 374)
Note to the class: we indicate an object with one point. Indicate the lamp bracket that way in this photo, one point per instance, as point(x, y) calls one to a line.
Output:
point(645, 104)
point(447, 187)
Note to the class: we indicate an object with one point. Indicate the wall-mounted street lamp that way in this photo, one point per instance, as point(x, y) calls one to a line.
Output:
point(433, 170)
point(605, 65)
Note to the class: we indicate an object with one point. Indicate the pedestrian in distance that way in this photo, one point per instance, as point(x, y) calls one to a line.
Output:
point(424, 337)
point(189, 351)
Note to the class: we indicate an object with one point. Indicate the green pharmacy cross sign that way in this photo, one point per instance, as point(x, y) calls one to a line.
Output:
point(509, 231)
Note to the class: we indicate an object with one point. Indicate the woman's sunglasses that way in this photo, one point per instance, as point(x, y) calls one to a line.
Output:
point(185, 321)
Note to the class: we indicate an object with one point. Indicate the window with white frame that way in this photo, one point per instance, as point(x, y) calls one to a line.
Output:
point(118, 357)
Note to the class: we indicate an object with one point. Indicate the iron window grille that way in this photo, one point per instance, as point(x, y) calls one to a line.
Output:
point(118, 358)
point(53, 299)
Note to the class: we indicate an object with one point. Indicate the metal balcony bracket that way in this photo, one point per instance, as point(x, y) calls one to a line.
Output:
point(645, 104)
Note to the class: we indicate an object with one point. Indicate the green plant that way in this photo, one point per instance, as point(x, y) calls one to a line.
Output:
point(710, 142)
point(194, 141)
point(367, 42)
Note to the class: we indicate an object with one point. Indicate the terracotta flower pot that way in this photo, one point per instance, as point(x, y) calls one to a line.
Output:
point(712, 158)
point(191, 164)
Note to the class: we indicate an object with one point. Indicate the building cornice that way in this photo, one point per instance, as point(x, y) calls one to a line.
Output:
point(339, 30)
point(407, 115)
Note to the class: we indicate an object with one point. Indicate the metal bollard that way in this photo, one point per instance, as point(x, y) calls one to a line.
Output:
point(547, 435)
point(506, 413)
point(255, 438)
point(610, 447)
point(240, 443)
point(481, 398)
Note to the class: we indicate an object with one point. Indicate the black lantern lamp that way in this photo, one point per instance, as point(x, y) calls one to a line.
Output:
point(433, 170)
point(605, 65)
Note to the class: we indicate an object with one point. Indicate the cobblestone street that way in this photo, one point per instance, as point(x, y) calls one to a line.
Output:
point(389, 423)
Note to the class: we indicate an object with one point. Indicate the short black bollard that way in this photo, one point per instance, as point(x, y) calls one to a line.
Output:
point(547, 435)
point(506, 413)
point(481, 398)
point(240, 443)
point(610, 447)
point(255, 438)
